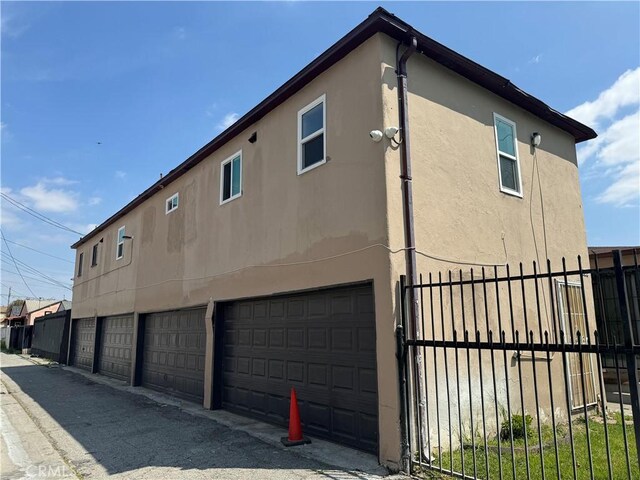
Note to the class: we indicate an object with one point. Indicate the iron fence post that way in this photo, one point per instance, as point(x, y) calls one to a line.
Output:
point(632, 362)
point(405, 455)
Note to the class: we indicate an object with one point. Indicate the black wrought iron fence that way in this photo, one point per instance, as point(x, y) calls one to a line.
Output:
point(512, 368)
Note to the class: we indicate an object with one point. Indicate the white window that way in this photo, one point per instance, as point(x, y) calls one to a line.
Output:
point(231, 178)
point(311, 135)
point(507, 151)
point(120, 244)
point(80, 262)
point(171, 204)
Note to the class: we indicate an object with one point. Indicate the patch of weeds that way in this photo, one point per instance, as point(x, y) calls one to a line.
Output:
point(520, 426)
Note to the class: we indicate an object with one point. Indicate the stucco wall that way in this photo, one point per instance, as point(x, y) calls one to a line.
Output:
point(269, 239)
point(462, 216)
point(201, 251)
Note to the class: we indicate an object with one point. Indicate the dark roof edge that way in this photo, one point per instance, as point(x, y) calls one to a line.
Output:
point(379, 21)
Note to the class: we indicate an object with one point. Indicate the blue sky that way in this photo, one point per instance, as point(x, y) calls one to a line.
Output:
point(99, 99)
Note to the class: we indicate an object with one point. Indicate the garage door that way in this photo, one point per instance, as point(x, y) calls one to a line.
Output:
point(82, 342)
point(323, 344)
point(115, 346)
point(174, 350)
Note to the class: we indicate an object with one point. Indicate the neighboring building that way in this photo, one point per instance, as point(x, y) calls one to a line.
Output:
point(270, 258)
point(610, 323)
point(32, 308)
point(3, 313)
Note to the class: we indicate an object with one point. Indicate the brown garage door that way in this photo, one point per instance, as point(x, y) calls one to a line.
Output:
point(82, 342)
point(116, 338)
point(174, 350)
point(323, 344)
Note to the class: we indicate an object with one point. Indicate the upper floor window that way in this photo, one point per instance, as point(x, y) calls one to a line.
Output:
point(171, 204)
point(231, 178)
point(120, 244)
point(80, 262)
point(94, 255)
point(507, 150)
point(311, 137)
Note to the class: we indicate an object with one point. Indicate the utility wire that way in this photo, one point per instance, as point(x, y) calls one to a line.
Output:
point(38, 215)
point(38, 272)
point(40, 251)
point(17, 294)
point(48, 282)
point(16, 264)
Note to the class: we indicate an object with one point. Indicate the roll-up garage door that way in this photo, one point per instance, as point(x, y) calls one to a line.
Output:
point(323, 343)
point(116, 338)
point(82, 342)
point(174, 351)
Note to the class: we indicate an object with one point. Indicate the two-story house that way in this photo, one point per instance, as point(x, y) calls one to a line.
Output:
point(270, 258)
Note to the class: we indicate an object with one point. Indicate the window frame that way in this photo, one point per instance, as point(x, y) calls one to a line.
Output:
point(80, 264)
point(516, 158)
point(168, 210)
point(322, 99)
point(94, 254)
point(118, 242)
point(222, 165)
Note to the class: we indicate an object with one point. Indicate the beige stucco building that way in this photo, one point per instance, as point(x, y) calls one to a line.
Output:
point(270, 259)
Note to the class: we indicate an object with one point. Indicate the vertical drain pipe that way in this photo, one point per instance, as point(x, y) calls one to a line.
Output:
point(409, 238)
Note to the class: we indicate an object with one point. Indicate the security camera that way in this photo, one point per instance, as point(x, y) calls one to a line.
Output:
point(376, 135)
point(390, 132)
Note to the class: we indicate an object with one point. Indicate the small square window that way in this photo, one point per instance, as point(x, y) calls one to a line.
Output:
point(311, 135)
point(120, 244)
point(231, 178)
point(507, 152)
point(80, 262)
point(171, 203)
point(94, 255)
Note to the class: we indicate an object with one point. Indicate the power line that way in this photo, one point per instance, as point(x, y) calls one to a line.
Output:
point(39, 251)
point(38, 215)
point(38, 272)
point(49, 282)
point(17, 294)
point(16, 264)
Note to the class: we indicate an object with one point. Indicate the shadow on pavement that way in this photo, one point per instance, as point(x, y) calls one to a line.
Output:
point(125, 432)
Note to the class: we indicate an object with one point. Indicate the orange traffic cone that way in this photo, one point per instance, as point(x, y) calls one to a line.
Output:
point(295, 426)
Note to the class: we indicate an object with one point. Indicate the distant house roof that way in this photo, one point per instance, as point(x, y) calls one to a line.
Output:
point(380, 21)
point(608, 251)
point(31, 305)
point(66, 305)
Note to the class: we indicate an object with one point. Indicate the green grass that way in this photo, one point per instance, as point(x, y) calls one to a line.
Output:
point(598, 453)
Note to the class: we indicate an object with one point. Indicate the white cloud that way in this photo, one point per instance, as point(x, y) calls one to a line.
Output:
point(536, 59)
point(94, 201)
point(180, 33)
point(10, 27)
point(59, 180)
point(83, 227)
point(623, 93)
point(211, 111)
point(120, 174)
point(615, 155)
point(50, 199)
point(228, 120)
point(625, 187)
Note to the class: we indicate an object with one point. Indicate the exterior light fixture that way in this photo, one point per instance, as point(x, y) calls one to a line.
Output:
point(536, 139)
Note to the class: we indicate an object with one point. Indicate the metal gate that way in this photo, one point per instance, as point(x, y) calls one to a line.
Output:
point(511, 365)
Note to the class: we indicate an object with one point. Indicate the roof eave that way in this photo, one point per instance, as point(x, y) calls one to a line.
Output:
point(379, 21)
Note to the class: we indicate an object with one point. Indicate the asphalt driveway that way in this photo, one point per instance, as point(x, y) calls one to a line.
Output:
point(59, 424)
